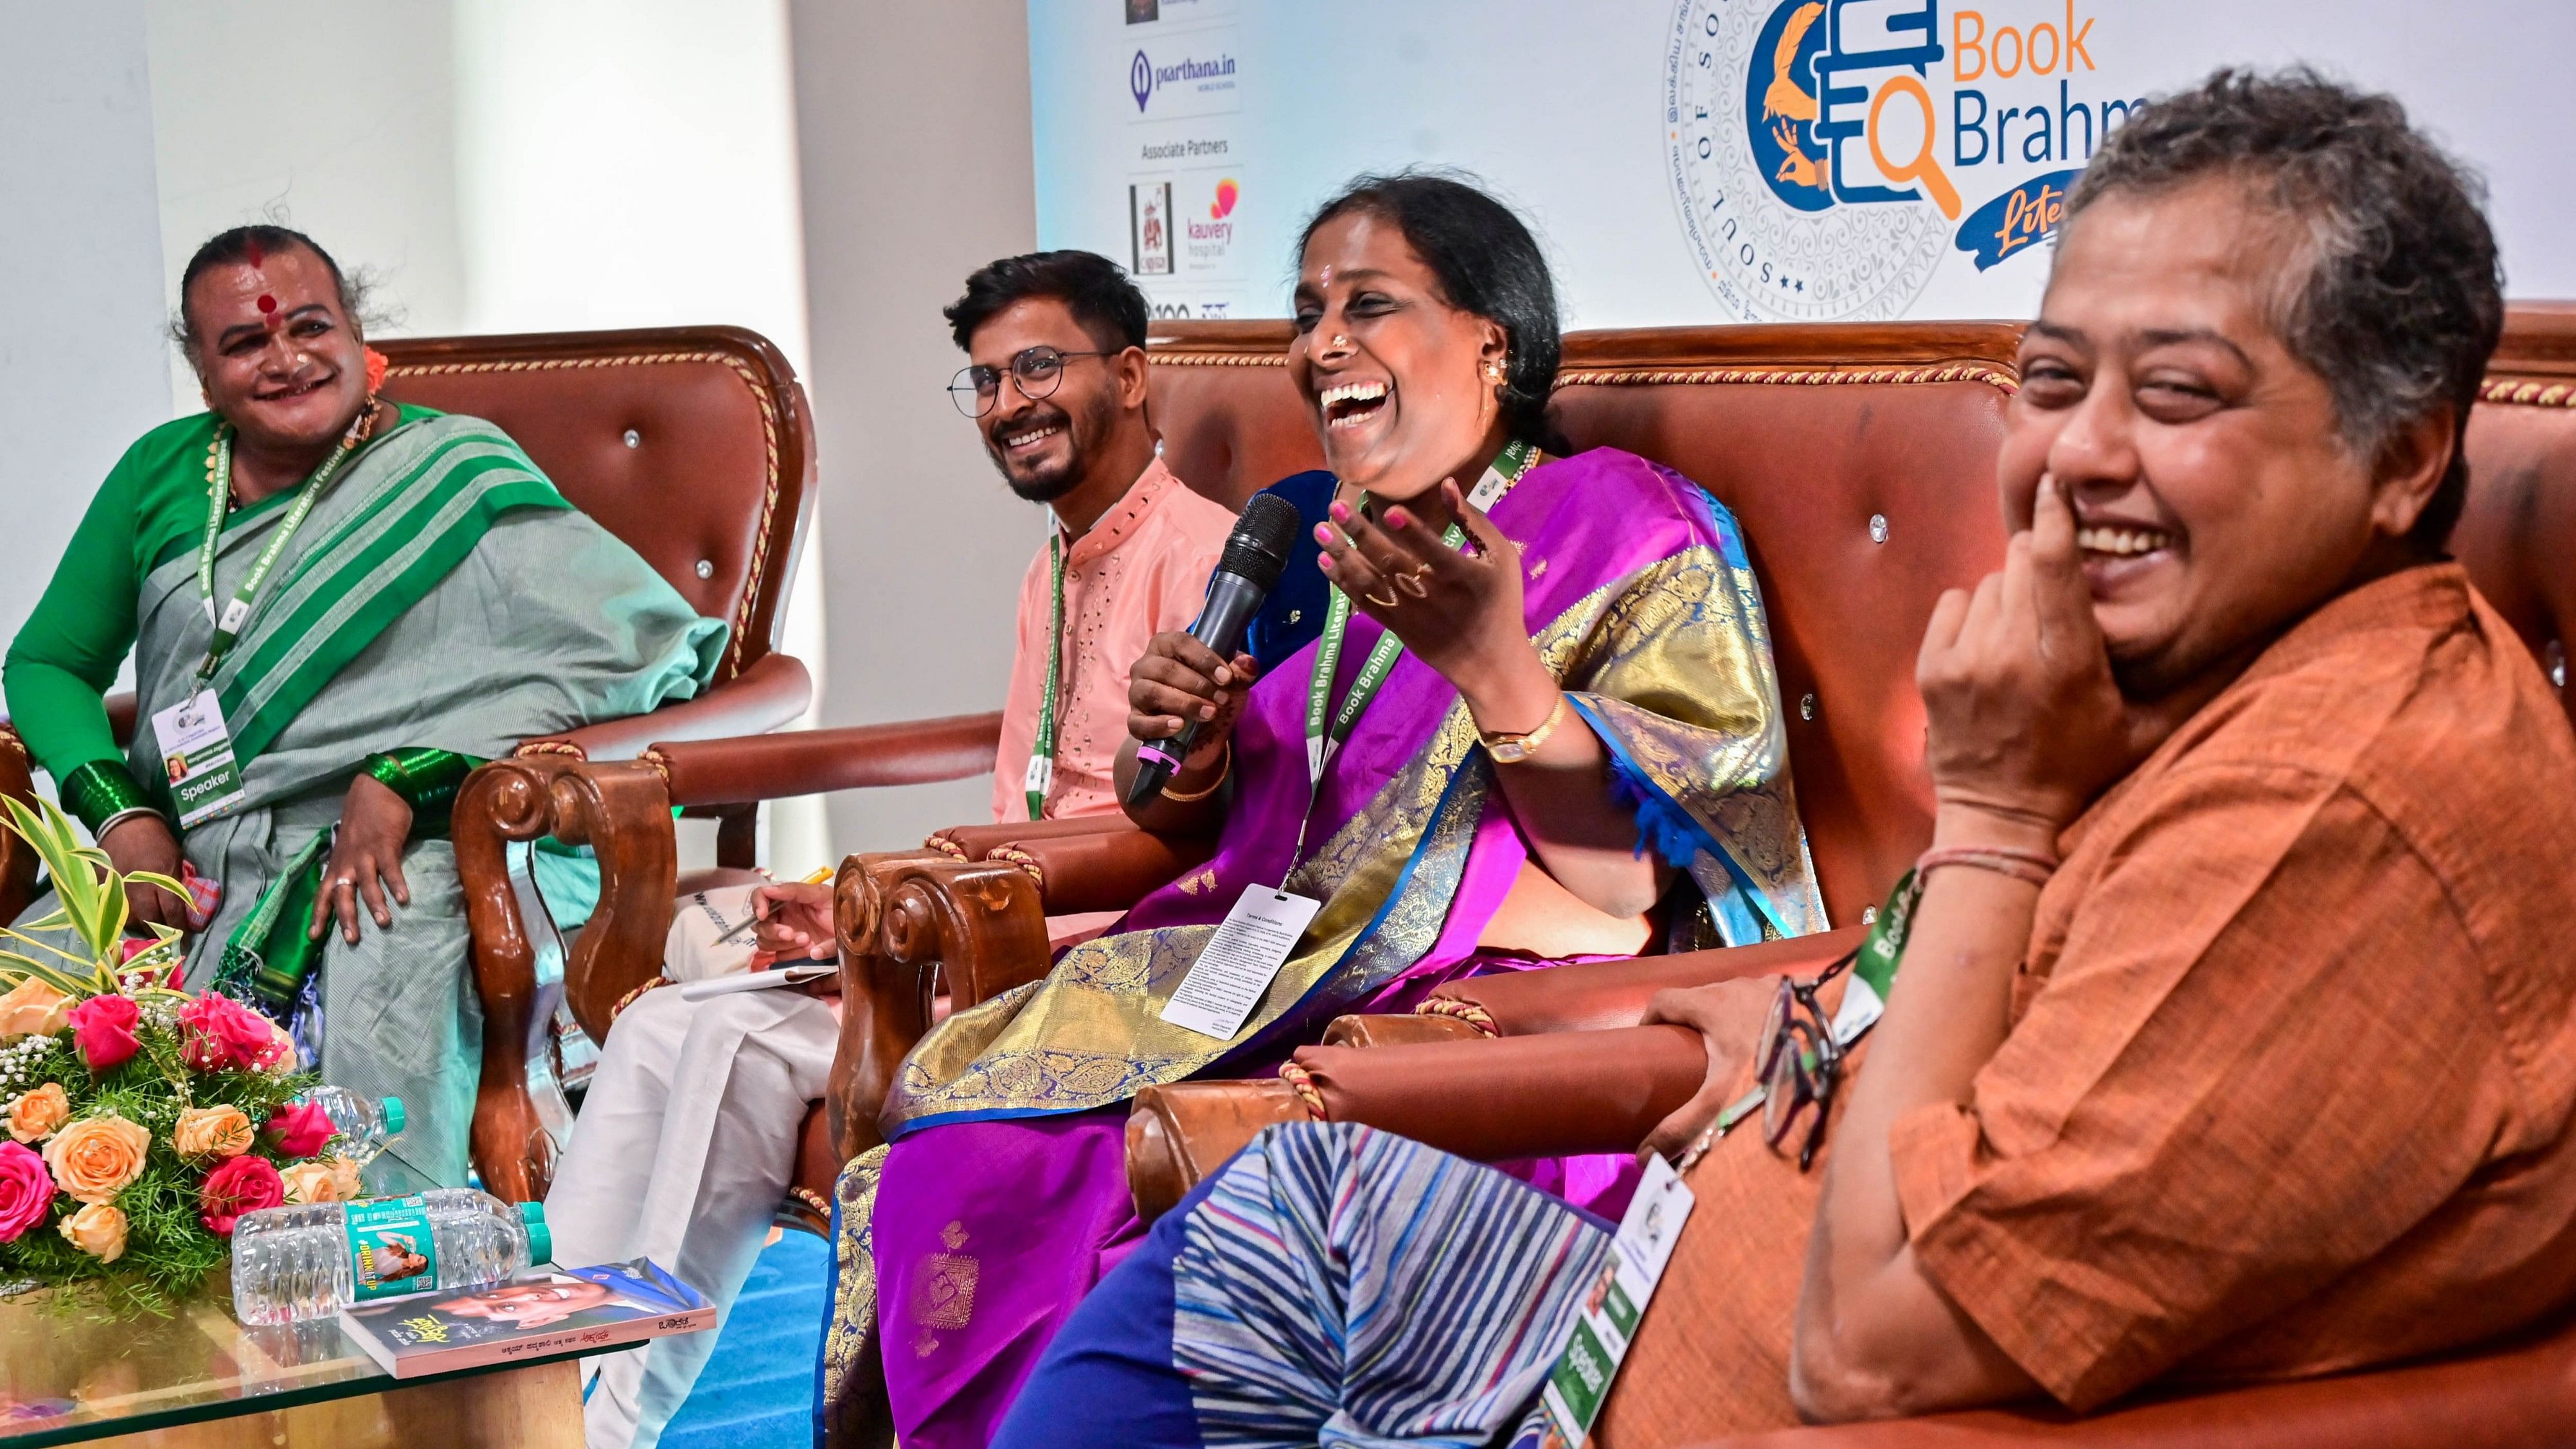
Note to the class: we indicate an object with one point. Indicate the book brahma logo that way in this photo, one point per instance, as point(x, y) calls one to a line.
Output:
point(1818, 150)
point(1803, 141)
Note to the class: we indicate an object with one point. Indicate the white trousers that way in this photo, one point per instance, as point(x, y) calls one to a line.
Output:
point(682, 1151)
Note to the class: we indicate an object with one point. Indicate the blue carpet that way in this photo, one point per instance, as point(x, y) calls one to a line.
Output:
point(758, 1389)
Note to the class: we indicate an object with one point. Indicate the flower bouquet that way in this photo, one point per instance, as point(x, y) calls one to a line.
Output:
point(137, 1122)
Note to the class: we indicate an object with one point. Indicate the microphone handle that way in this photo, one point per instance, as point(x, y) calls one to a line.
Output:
point(1232, 600)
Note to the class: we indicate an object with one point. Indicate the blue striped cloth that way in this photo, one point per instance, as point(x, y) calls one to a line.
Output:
point(1332, 1285)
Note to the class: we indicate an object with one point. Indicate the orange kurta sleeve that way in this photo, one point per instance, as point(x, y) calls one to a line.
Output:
point(2264, 1052)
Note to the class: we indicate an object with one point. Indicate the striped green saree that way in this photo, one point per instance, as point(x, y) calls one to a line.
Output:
point(441, 596)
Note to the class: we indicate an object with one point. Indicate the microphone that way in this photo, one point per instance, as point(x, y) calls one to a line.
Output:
point(1244, 577)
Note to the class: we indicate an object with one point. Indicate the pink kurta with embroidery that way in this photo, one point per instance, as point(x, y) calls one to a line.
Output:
point(1142, 569)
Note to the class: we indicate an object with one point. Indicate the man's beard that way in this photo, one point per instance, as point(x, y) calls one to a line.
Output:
point(1054, 482)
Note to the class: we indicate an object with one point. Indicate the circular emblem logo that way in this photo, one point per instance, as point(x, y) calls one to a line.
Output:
point(1753, 177)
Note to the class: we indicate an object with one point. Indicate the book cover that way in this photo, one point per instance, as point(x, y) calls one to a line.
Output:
point(535, 1315)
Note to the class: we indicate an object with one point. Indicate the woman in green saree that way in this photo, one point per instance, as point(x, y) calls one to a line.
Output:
point(337, 607)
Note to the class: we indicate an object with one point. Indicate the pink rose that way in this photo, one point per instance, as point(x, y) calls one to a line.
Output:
point(242, 1185)
point(217, 1033)
point(26, 1191)
point(299, 1130)
point(103, 1029)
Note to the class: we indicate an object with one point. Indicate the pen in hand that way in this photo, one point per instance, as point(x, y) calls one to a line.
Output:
point(819, 876)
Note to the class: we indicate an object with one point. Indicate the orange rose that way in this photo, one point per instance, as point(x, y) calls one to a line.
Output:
point(312, 1182)
point(344, 1177)
point(34, 1009)
point(94, 1158)
point(37, 1115)
point(211, 1132)
point(98, 1230)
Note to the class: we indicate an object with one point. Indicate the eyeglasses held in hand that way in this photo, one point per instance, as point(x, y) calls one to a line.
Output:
point(1036, 371)
point(1801, 1063)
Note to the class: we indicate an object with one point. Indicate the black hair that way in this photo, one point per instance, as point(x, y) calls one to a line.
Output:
point(2403, 297)
point(1092, 287)
point(248, 244)
point(1488, 264)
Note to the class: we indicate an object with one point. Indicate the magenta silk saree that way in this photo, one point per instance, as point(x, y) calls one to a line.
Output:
point(1003, 1194)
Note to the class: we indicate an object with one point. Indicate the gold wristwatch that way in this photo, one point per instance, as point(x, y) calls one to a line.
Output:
point(1511, 749)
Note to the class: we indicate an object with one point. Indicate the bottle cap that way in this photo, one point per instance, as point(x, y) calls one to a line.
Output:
point(532, 1213)
point(393, 1109)
point(541, 1242)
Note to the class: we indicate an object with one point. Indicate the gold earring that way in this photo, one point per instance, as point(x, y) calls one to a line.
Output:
point(1494, 371)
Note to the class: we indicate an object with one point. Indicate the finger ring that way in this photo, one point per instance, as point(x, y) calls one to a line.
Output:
point(346, 882)
point(1388, 602)
point(1411, 582)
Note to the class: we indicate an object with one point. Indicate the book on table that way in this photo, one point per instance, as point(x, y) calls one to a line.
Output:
point(534, 1315)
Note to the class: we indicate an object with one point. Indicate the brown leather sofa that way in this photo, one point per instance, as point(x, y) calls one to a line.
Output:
point(695, 446)
point(1861, 501)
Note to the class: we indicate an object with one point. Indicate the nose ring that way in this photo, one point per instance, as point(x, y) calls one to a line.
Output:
point(1340, 342)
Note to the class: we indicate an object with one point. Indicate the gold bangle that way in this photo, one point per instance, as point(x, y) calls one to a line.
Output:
point(1222, 771)
point(1511, 749)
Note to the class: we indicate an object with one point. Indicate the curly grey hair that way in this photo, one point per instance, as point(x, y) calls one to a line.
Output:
point(2403, 297)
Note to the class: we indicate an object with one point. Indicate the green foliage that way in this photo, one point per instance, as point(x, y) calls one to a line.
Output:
point(169, 1252)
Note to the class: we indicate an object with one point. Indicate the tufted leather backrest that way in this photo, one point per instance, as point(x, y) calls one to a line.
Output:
point(2518, 534)
point(1859, 459)
point(693, 444)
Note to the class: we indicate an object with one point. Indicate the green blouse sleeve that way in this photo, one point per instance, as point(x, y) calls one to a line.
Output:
point(66, 655)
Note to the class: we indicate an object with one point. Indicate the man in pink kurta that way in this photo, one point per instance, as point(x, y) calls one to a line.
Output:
point(688, 1138)
point(1140, 569)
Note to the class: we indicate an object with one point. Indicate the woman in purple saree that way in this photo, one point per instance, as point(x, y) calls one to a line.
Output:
point(1539, 734)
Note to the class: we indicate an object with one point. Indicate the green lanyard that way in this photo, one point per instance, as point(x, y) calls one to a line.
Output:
point(1322, 742)
point(1041, 772)
point(219, 481)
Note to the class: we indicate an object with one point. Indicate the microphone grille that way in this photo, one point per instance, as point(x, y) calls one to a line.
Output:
point(1258, 548)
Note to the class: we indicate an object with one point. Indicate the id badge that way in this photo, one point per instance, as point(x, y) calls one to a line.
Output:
point(197, 750)
point(1581, 1380)
point(1225, 983)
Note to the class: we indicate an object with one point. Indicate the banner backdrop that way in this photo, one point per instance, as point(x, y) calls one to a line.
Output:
point(1721, 160)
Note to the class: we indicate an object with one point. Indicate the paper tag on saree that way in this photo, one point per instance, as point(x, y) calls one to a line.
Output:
point(1225, 983)
point(197, 750)
point(1581, 1381)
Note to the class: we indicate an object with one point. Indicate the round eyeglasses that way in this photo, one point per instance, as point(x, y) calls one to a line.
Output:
point(1035, 371)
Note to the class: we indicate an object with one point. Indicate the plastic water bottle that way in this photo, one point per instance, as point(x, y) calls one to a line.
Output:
point(364, 1125)
point(296, 1263)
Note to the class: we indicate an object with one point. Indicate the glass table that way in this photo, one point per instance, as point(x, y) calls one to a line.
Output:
point(200, 1379)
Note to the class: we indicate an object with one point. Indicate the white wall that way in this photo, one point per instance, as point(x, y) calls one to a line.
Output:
point(81, 360)
point(364, 161)
point(914, 122)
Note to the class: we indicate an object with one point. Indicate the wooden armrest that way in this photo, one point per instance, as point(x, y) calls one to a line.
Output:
point(908, 923)
point(780, 766)
point(1178, 1134)
point(521, 968)
point(978, 841)
point(1597, 995)
point(1103, 870)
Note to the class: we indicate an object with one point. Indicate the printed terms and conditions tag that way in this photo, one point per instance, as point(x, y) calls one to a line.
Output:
point(198, 751)
point(1637, 1257)
point(1222, 986)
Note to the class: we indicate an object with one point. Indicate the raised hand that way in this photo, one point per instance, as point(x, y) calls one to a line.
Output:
point(1458, 612)
point(2024, 722)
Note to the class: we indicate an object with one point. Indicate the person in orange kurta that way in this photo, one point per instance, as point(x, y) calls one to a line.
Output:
point(2234, 1031)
